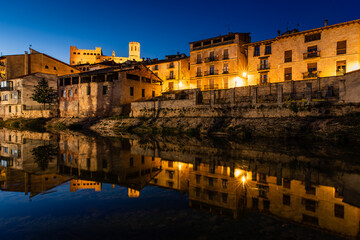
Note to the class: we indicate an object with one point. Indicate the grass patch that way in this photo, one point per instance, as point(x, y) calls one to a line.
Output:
point(36, 124)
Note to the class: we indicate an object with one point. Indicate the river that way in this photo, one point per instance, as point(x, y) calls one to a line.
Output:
point(74, 186)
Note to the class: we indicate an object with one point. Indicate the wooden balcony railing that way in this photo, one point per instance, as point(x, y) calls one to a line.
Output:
point(308, 75)
point(211, 87)
point(313, 54)
point(263, 66)
point(212, 59)
point(214, 72)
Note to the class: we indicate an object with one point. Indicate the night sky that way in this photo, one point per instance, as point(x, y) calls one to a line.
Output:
point(162, 27)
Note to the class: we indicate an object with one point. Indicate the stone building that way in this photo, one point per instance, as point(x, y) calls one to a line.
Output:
point(89, 56)
point(14, 66)
point(322, 52)
point(106, 91)
point(16, 96)
point(219, 62)
point(174, 71)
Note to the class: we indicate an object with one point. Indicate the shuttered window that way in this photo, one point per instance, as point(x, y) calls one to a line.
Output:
point(312, 37)
point(288, 56)
point(341, 47)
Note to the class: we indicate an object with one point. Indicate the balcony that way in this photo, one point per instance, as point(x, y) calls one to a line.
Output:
point(309, 75)
point(2, 89)
point(264, 81)
point(289, 59)
point(214, 72)
point(170, 77)
point(340, 72)
point(211, 59)
point(312, 54)
point(225, 71)
point(198, 61)
point(225, 57)
point(263, 66)
point(211, 87)
point(198, 74)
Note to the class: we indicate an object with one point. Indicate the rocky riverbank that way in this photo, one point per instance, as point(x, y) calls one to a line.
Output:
point(339, 129)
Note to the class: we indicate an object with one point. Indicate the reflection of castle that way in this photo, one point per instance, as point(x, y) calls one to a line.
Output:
point(82, 184)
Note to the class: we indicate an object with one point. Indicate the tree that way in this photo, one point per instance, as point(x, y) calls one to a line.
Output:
point(43, 93)
point(43, 155)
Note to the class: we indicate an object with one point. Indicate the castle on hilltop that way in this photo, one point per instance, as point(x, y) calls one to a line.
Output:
point(89, 56)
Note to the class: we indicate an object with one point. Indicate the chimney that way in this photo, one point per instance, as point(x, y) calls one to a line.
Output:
point(325, 23)
point(26, 63)
point(278, 32)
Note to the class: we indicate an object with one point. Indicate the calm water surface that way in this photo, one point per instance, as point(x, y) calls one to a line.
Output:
point(83, 187)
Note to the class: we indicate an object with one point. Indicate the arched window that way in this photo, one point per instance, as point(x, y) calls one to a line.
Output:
point(135, 48)
point(131, 48)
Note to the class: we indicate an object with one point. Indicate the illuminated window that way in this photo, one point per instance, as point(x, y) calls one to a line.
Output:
point(340, 68)
point(264, 78)
point(288, 73)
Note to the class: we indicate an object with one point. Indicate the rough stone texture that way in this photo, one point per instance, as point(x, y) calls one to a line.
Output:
point(19, 102)
point(332, 96)
point(116, 99)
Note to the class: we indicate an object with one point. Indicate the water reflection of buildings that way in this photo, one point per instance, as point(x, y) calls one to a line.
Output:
point(20, 171)
point(317, 192)
point(227, 190)
point(112, 162)
point(299, 187)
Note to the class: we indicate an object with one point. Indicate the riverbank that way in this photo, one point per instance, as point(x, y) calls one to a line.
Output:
point(338, 129)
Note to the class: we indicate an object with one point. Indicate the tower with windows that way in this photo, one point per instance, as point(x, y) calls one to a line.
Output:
point(134, 51)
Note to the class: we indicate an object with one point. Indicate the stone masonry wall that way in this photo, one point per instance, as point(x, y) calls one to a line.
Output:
point(332, 96)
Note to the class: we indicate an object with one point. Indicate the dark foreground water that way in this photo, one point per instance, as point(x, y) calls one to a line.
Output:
point(81, 187)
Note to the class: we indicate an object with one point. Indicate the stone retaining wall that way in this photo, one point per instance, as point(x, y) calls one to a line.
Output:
point(331, 96)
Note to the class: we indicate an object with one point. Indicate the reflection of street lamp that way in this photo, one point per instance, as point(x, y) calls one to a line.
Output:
point(243, 179)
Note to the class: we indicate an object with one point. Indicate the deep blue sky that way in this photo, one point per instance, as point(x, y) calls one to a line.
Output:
point(162, 27)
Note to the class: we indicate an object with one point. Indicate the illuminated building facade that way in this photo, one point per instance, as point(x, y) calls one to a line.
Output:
point(106, 91)
point(219, 62)
point(174, 71)
point(89, 56)
point(15, 66)
point(322, 52)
